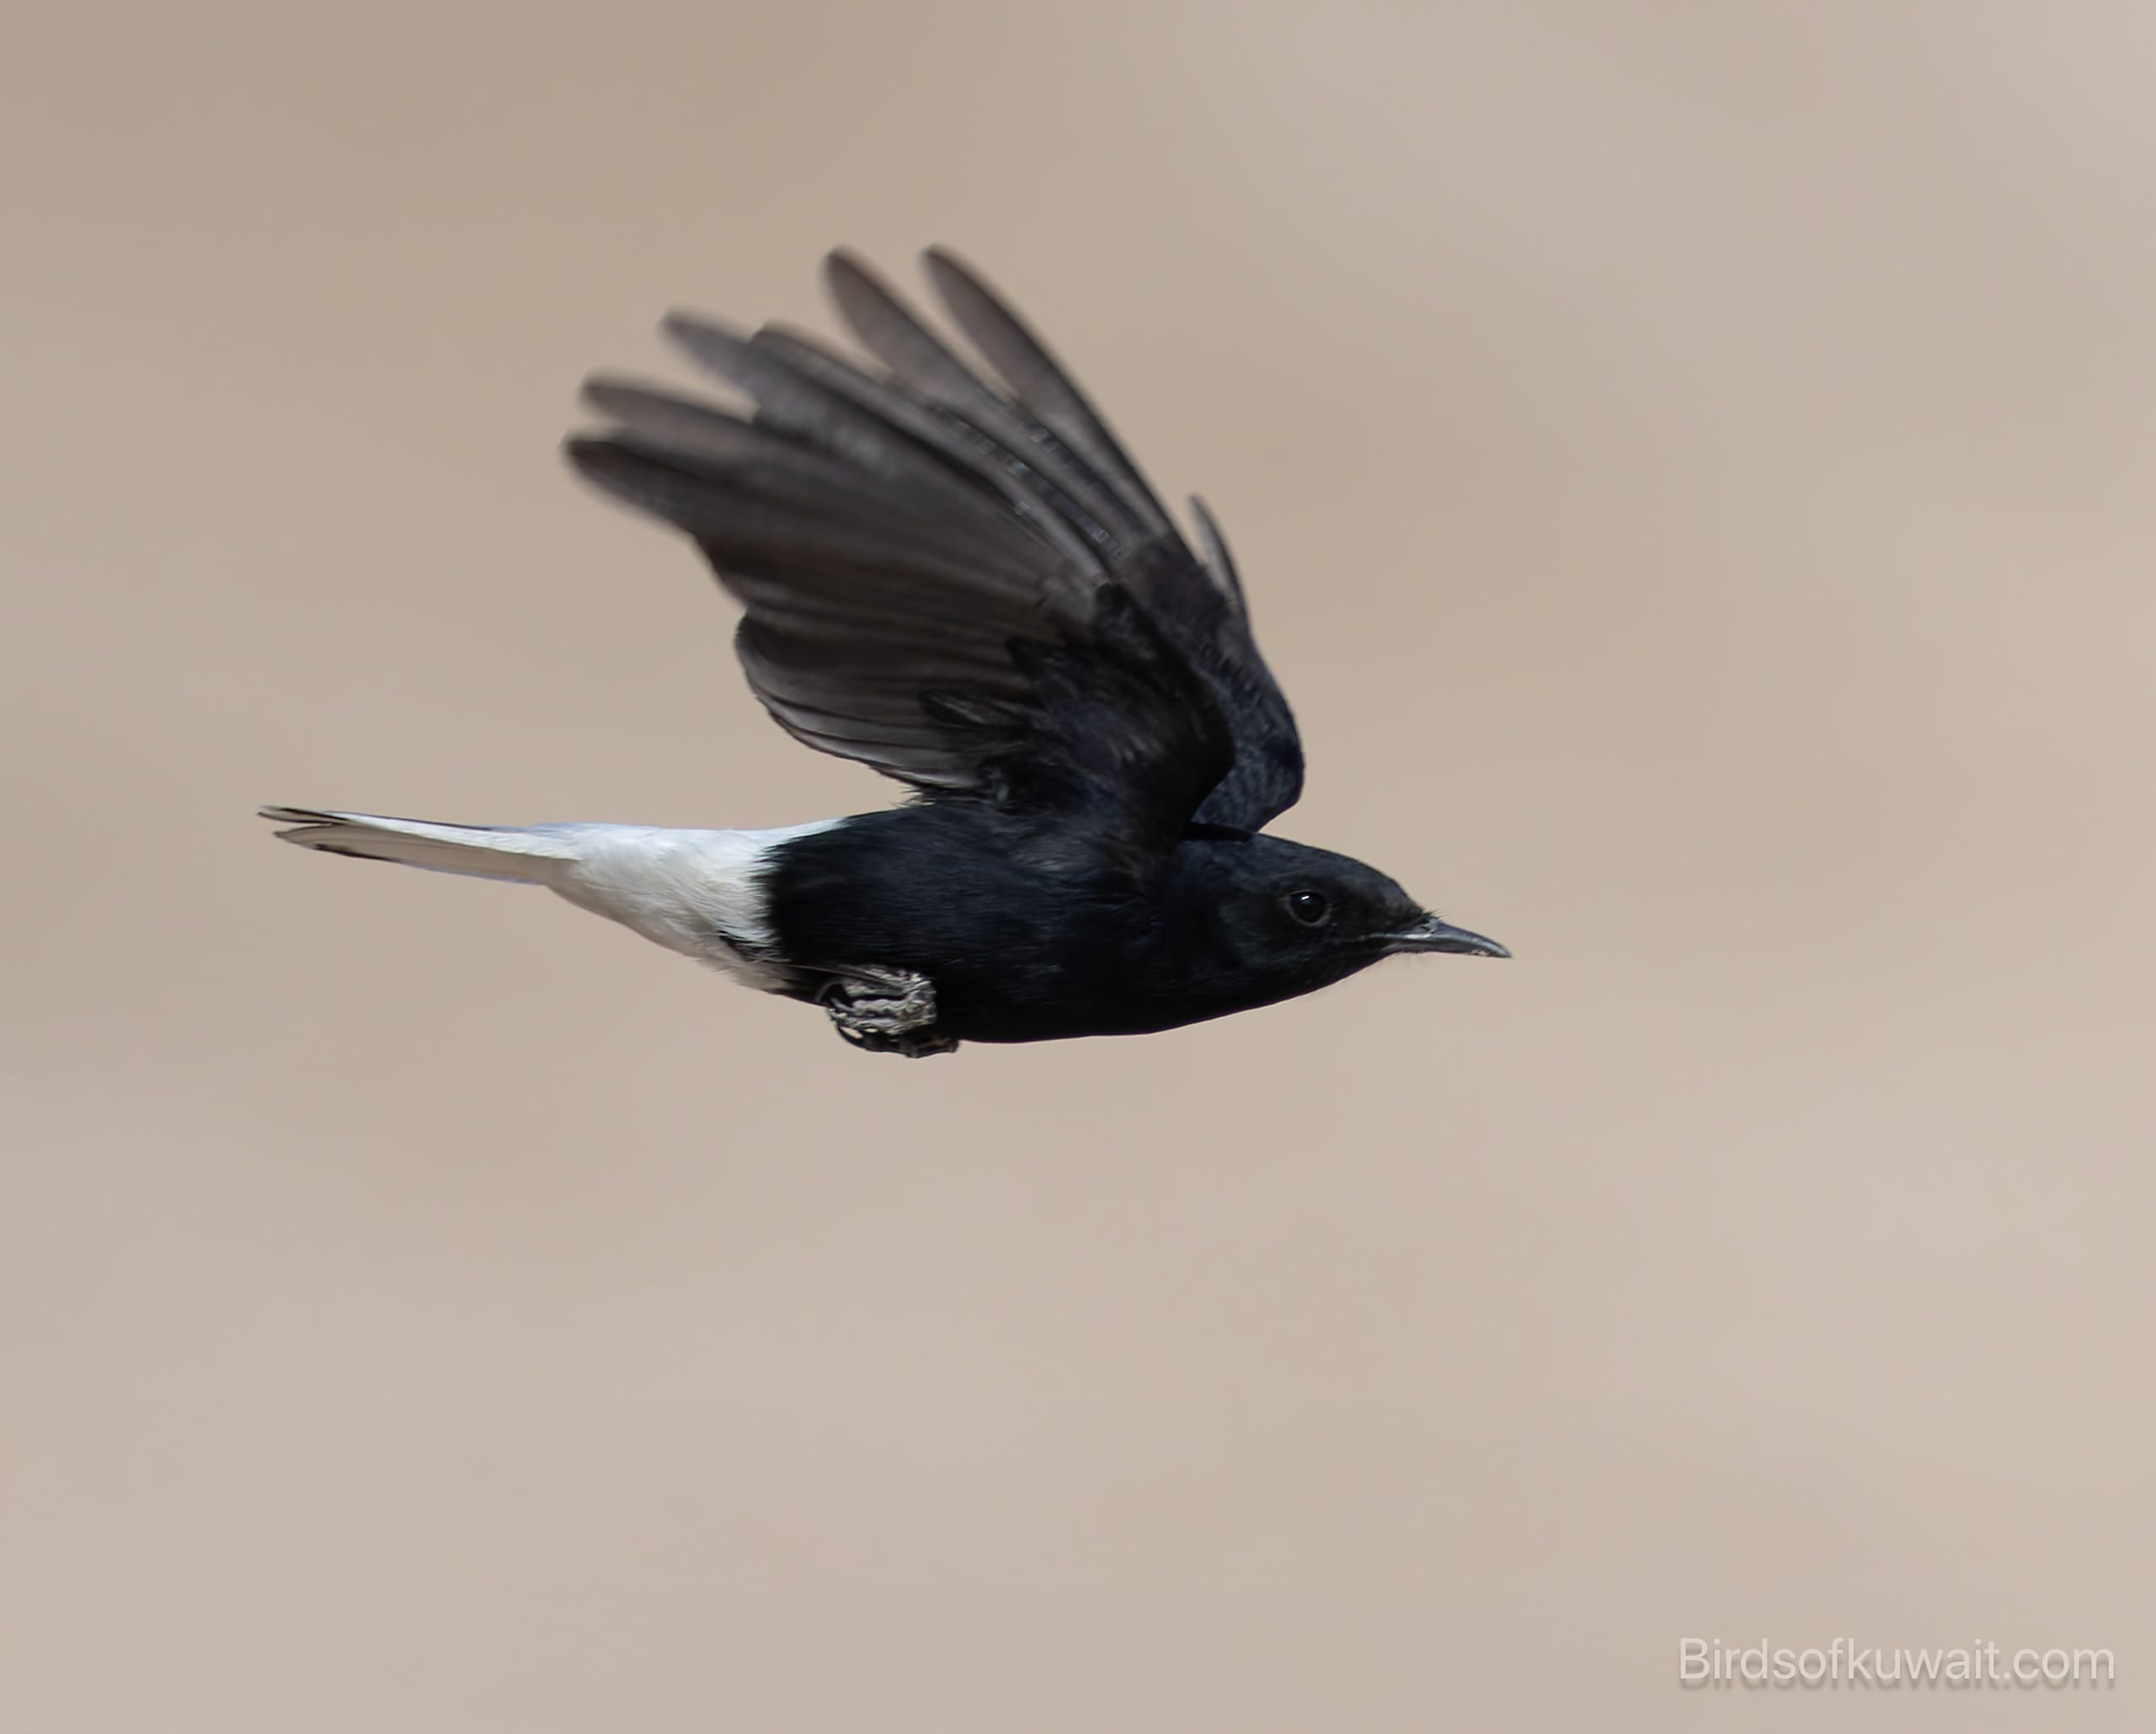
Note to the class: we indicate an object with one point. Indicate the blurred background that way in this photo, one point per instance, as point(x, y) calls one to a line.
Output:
point(1692, 464)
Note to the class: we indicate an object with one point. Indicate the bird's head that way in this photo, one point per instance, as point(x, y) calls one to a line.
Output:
point(1301, 917)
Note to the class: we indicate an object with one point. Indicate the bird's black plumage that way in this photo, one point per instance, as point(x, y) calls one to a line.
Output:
point(891, 538)
point(957, 576)
point(1027, 939)
point(971, 587)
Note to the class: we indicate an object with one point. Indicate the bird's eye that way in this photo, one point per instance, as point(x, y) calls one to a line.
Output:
point(1310, 908)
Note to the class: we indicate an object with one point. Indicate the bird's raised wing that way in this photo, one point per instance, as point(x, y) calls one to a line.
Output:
point(967, 587)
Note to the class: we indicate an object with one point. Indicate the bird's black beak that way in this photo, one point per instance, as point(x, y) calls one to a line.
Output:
point(1431, 935)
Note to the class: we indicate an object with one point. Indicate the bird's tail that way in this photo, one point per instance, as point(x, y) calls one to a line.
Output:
point(535, 856)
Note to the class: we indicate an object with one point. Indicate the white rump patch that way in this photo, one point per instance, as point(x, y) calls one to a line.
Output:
point(698, 893)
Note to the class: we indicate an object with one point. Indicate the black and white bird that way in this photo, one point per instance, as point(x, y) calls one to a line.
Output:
point(958, 578)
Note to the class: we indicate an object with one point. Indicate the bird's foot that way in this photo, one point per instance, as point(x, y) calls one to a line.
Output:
point(885, 1012)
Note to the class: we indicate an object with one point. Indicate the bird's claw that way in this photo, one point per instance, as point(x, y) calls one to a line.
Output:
point(885, 1012)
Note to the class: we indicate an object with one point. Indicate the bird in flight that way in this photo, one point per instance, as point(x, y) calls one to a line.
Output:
point(957, 576)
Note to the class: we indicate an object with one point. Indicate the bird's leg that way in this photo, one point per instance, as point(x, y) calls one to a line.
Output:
point(885, 1010)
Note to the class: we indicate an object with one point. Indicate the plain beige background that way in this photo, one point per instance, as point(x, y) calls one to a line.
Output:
point(1692, 463)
